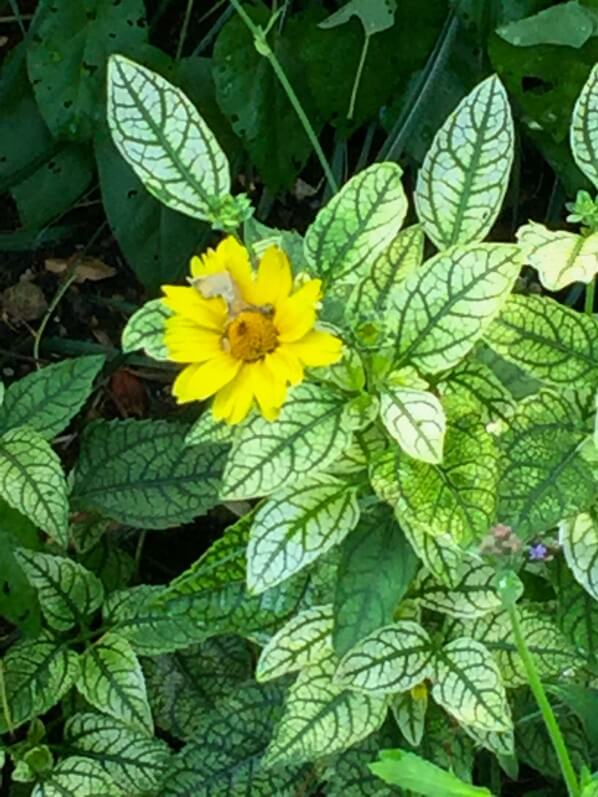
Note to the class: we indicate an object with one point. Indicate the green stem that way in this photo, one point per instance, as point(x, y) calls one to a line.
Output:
point(263, 48)
point(184, 29)
point(4, 701)
point(358, 74)
point(590, 294)
point(53, 305)
point(556, 737)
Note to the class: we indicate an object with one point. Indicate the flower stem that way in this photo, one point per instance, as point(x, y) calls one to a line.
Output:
point(358, 74)
point(263, 48)
point(590, 294)
point(556, 737)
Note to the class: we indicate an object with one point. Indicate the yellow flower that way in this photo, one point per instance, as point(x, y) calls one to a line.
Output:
point(243, 335)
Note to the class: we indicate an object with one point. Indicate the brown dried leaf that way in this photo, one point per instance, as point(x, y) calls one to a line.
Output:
point(90, 269)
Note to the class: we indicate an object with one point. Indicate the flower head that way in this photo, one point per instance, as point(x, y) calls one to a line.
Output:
point(244, 336)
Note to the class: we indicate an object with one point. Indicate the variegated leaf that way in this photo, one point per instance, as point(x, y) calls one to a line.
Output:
point(416, 420)
point(584, 126)
point(501, 743)
point(348, 774)
point(145, 330)
point(559, 257)
point(409, 710)
point(474, 382)
point(472, 596)
point(75, 776)
point(579, 538)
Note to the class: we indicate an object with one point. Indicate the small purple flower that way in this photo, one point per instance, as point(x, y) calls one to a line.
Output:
point(538, 552)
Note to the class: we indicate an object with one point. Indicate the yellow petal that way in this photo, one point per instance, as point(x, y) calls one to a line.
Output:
point(201, 380)
point(229, 256)
point(274, 278)
point(187, 302)
point(233, 402)
point(317, 348)
point(189, 343)
point(269, 391)
point(285, 365)
point(295, 316)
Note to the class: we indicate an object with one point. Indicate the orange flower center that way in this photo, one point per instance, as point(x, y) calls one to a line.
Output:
point(251, 335)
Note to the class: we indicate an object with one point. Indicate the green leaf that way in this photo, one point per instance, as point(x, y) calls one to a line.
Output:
point(502, 744)
point(375, 570)
point(75, 776)
point(446, 305)
point(134, 762)
point(535, 748)
point(67, 591)
point(321, 718)
point(67, 58)
point(112, 681)
point(473, 596)
point(411, 772)
point(544, 476)
point(567, 25)
point(357, 225)
point(447, 745)
point(409, 710)
point(18, 599)
point(140, 473)
point(374, 15)
point(296, 526)
point(560, 257)
point(584, 143)
point(145, 330)
point(550, 341)
point(348, 774)
point(577, 615)
point(416, 420)
point(303, 641)
point(477, 384)
point(37, 673)
point(579, 538)
point(468, 684)
point(464, 176)
point(392, 659)
point(179, 161)
point(310, 434)
point(32, 481)
point(47, 400)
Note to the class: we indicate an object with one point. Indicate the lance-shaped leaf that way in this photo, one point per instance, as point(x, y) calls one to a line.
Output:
point(145, 330)
point(473, 596)
point(374, 573)
point(446, 305)
point(416, 420)
point(414, 773)
point(583, 131)
point(391, 659)
point(296, 526)
point(301, 642)
point(321, 717)
point(468, 684)
point(559, 257)
point(112, 680)
point(32, 481)
point(140, 473)
point(409, 710)
point(579, 538)
point(36, 674)
point(46, 400)
point(164, 139)
point(544, 476)
point(67, 591)
point(309, 435)
point(464, 176)
point(550, 341)
point(134, 762)
point(357, 224)
point(75, 776)
point(475, 382)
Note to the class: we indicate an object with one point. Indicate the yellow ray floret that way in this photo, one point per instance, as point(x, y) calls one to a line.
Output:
point(244, 336)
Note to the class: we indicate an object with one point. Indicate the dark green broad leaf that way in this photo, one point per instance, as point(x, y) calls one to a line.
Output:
point(36, 674)
point(18, 599)
point(577, 613)
point(111, 563)
point(550, 341)
point(75, 776)
point(140, 473)
point(67, 58)
point(67, 591)
point(544, 477)
point(447, 745)
point(414, 773)
point(46, 400)
point(133, 761)
point(535, 749)
point(568, 24)
point(348, 774)
point(376, 567)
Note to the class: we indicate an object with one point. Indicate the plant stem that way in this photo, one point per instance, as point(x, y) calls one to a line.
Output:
point(184, 29)
point(358, 74)
point(263, 48)
point(590, 294)
point(4, 701)
point(556, 737)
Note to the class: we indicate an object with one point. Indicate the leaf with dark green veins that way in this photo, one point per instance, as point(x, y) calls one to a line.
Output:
point(416, 420)
point(145, 330)
point(474, 595)
point(348, 774)
point(477, 383)
point(75, 776)
point(409, 710)
point(584, 142)
point(560, 257)
point(579, 538)
point(577, 614)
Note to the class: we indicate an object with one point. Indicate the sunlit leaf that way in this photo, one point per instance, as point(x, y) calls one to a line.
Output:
point(145, 330)
point(416, 420)
point(473, 596)
point(414, 773)
point(75, 776)
point(560, 257)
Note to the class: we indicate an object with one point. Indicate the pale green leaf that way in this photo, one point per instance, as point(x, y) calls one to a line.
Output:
point(468, 684)
point(112, 681)
point(296, 526)
point(391, 659)
point(476, 383)
point(145, 330)
point(303, 641)
point(357, 225)
point(464, 176)
point(374, 15)
point(501, 743)
point(207, 429)
point(76, 776)
point(32, 481)
point(559, 257)
point(409, 710)
point(67, 591)
point(46, 400)
point(550, 341)
point(584, 138)
point(579, 538)
point(140, 473)
point(164, 139)
point(473, 596)
point(129, 758)
point(321, 718)
point(309, 435)
point(36, 673)
point(446, 305)
point(411, 772)
point(416, 420)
